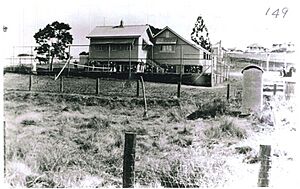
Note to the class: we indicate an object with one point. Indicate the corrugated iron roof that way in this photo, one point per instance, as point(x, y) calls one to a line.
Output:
point(118, 31)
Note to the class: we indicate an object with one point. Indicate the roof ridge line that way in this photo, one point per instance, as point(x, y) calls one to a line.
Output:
point(125, 25)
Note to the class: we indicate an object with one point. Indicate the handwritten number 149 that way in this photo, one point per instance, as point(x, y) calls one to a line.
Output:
point(277, 12)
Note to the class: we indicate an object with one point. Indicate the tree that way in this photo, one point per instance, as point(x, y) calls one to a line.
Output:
point(53, 41)
point(200, 34)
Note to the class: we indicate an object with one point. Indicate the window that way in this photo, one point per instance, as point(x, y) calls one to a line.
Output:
point(120, 47)
point(166, 41)
point(167, 48)
point(167, 34)
point(101, 47)
point(206, 56)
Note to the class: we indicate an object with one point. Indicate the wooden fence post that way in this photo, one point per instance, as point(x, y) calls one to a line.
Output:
point(275, 88)
point(30, 82)
point(265, 161)
point(144, 97)
point(97, 85)
point(128, 160)
point(61, 84)
point(68, 68)
point(228, 91)
point(178, 89)
point(137, 88)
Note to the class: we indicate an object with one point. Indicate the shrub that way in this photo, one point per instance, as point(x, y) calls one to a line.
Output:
point(28, 122)
point(209, 109)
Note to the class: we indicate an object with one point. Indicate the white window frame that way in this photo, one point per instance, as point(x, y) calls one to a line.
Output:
point(167, 48)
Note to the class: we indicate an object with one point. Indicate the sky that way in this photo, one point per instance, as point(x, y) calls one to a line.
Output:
point(236, 23)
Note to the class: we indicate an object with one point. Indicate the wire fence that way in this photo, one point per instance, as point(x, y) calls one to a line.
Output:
point(76, 85)
point(107, 87)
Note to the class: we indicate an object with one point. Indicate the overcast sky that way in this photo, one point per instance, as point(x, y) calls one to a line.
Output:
point(237, 23)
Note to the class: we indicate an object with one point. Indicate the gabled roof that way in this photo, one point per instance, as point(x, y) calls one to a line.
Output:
point(188, 42)
point(117, 31)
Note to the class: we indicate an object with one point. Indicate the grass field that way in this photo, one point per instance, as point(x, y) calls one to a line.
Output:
point(76, 139)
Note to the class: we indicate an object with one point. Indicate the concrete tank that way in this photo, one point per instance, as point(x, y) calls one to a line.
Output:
point(252, 96)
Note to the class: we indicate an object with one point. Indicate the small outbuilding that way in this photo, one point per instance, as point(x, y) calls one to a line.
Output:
point(83, 58)
point(252, 99)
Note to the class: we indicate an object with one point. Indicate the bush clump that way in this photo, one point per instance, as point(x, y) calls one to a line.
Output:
point(226, 130)
point(209, 109)
point(28, 122)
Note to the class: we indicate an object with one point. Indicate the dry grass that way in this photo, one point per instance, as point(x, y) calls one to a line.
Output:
point(61, 140)
point(70, 144)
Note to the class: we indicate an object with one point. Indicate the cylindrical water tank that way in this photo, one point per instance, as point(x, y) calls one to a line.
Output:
point(252, 99)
